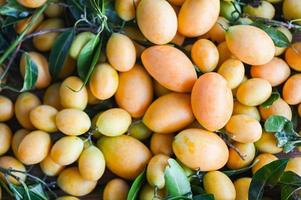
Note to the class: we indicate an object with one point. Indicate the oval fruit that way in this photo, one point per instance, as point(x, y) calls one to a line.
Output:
point(32, 3)
point(170, 67)
point(267, 144)
point(49, 167)
point(294, 165)
point(262, 160)
point(242, 186)
point(79, 42)
point(279, 107)
point(7, 162)
point(161, 144)
point(147, 192)
point(126, 9)
point(168, 119)
point(217, 32)
point(291, 9)
point(192, 146)
point(139, 131)
point(43, 117)
point(228, 10)
point(52, 96)
point(291, 91)
point(251, 111)
point(6, 109)
point(155, 170)
point(17, 138)
point(212, 101)
point(247, 150)
point(124, 155)
point(292, 56)
point(67, 198)
point(116, 189)
point(54, 9)
point(23, 23)
point(5, 138)
point(264, 10)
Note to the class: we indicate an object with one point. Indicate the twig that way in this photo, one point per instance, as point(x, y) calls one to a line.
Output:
point(11, 60)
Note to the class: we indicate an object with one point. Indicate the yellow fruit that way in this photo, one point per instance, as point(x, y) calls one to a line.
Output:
point(159, 89)
point(31, 3)
point(66, 150)
point(6, 109)
point(248, 152)
point(220, 185)
point(5, 138)
point(126, 9)
point(251, 111)
point(178, 39)
point(23, 23)
point(24, 104)
point(267, 144)
point(250, 44)
point(157, 31)
point(125, 156)
point(205, 55)
point(17, 138)
point(242, 186)
point(139, 131)
point(264, 10)
point(294, 165)
point(73, 94)
point(147, 192)
point(79, 42)
point(168, 119)
point(224, 53)
point(291, 91)
point(262, 160)
point(71, 182)
point(43, 117)
point(291, 9)
point(196, 17)
point(116, 189)
point(161, 144)
point(192, 146)
point(176, 2)
point(254, 92)
point(49, 167)
point(54, 9)
point(217, 32)
point(7, 162)
point(212, 101)
point(292, 56)
point(92, 100)
point(155, 170)
point(67, 198)
point(52, 96)
point(72, 121)
point(230, 9)
point(279, 107)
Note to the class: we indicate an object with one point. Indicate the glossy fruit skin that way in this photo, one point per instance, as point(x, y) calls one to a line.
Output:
point(135, 91)
point(161, 144)
point(139, 131)
point(71, 182)
point(262, 160)
point(6, 109)
point(66, 150)
point(291, 9)
point(176, 2)
point(22, 24)
point(292, 56)
point(220, 185)
point(247, 150)
point(251, 111)
point(192, 146)
point(5, 138)
point(113, 122)
point(276, 71)
point(265, 10)
point(224, 53)
point(147, 193)
point(205, 55)
point(77, 99)
point(170, 67)
point(126, 9)
point(258, 47)
point(54, 9)
point(212, 101)
point(10, 162)
point(67, 198)
point(72, 121)
point(31, 3)
point(176, 116)
point(44, 77)
point(197, 17)
point(254, 92)
point(243, 128)
point(49, 167)
point(158, 32)
point(52, 96)
point(79, 42)
point(16, 140)
point(43, 118)
point(155, 170)
point(294, 165)
point(45, 42)
point(242, 186)
point(291, 91)
point(267, 144)
point(217, 32)
point(279, 107)
point(159, 89)
point(24, 104)
point(125, 156)
point(116, 189)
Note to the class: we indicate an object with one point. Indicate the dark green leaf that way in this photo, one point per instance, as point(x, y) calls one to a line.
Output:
point(197, 189)
point(287, 192)
point(14, 9)
point(178, 198)
point(59, 52)
point(204, 197)
point(290, 178)
point(275, 123)
point(238, 171)
point(31, 74)
point(287, 137)
point(136, 186)
point(267, 175)
point(176, 182)
point(274, 96)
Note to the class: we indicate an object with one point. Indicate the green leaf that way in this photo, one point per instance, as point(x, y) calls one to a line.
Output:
point(203, 197)
point(275, 123)
point(197, 189)
point(59, 52)
point(176, 182)
point(287, 192)
point(136, 186)
point(279, 38)
point(287, 138)
point(177, 198)
point(274, 96)
point(290, 178)
point(37, 192)
point(14, 9)
point(238, 171)
point(31, 74)
point(267, 175)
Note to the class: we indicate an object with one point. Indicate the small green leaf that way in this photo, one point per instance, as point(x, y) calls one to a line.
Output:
point(290, 178)
point(275, 123)
point(31, 74)
point(203, 197)
point(59, 52)
point(176, 182)
point(136, 186)
point(287, 192)
point(238, 171)
point(287, 138)
point(267, 175)
point(274, 97)
point(37, 192)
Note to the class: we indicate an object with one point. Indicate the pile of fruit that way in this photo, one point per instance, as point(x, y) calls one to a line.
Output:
point(150, 99)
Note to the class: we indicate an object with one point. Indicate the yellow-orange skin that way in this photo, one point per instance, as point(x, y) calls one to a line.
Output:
point(251, 111)
point(294, 165)
point(161, 144)
point(217, 32)
point(279, 107)
point(31, 3)
point(116, 189)
point(54, 9)
point(71, 182)
point(242, 186)
point(7, 162)
point(243, 128)
point(92, 100)
point(254, 92)
point(43, 118)
point(139, 131)
point(22, 24)
point(155, 170)
point(299, 109)
point(34, 147)
point(178, 39)
point(17, 138)
point(291, 9)
point(168, 119)
point(192, 147)
point(135, 91)
point(291, 91)
point(121, 52)
point(212, 101)
point(45, 42)
point(24, 104)
point(220, 185)
point(205, 55)
point(6, 108)
point(196, 17)
point(262, 160)
point(52, 96)
point(159, 89)
point(126, 9)
point(72, 94)
point(5, 138)
point(250, 44)
point(67, 198)
point(267, 144)
point(234, 91)
point(41, 62)
point(176, 2)
point(276, 71)
point(79, 42)
point(293, 56)
point(2, 2)
point(247, 150)
point(157, 31)
point(224, 53)
point(147, 192)
point(68, 67)
point(49, 167)
point(264, 10)
point(125, 156)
